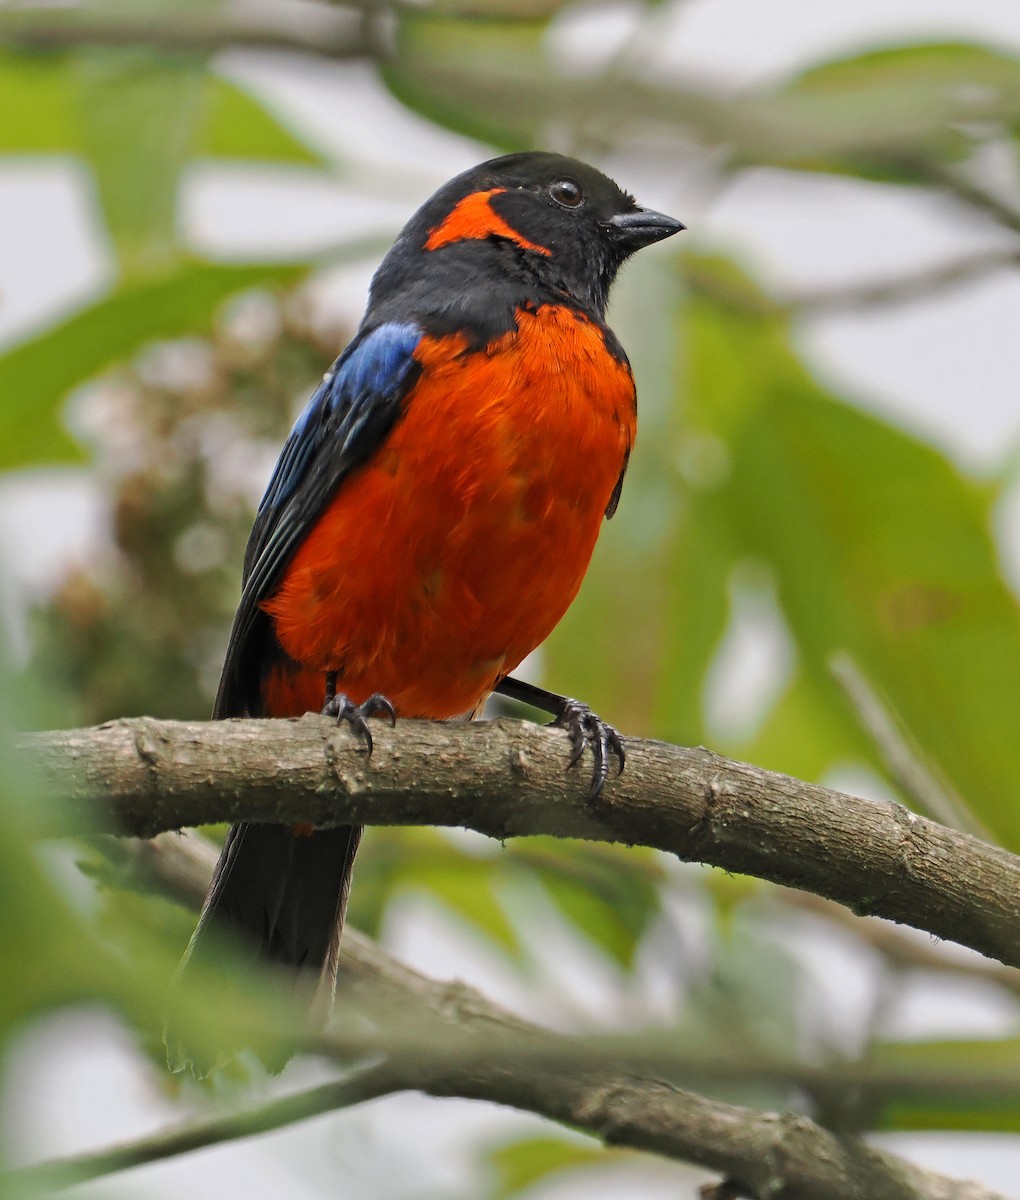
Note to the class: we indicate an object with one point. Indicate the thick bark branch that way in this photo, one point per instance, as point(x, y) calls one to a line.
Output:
point(446, 1039)
point(847, 1093)
point(480, 1051)
point(508, 778)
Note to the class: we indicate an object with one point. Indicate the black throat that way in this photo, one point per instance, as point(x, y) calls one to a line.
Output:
point(471, 287)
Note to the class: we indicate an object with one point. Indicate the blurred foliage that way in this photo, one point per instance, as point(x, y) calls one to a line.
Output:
point(181, 436)
point(100, 107)
point(520, 1165)
point(57, 951)
point(752, 479)
point(37, 374)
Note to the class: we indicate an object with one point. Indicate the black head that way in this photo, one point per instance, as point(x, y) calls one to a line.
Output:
point(534, 219)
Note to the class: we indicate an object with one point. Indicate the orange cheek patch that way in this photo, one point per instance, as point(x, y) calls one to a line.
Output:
point(474, 218)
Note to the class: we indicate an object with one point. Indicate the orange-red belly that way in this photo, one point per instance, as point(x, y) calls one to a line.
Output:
point(453, 552)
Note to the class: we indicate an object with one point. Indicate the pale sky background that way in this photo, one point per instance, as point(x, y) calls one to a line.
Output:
point(945, 368)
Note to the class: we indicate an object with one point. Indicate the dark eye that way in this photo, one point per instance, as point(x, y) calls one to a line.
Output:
point(567, 193)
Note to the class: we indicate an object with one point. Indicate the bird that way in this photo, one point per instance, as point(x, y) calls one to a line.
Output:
point(432, 513)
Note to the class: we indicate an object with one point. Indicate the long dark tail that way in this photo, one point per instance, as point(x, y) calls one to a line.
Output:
point(279, 897)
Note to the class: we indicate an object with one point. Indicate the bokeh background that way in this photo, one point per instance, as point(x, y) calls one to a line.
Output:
point(814, 566)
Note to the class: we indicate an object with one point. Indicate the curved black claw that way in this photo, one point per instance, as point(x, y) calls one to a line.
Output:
point(588, 729)
point(356, 715)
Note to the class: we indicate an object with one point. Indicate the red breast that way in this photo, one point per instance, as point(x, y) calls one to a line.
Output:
point(452, 553)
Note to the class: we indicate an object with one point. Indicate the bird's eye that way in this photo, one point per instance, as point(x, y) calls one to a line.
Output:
point(567, 193)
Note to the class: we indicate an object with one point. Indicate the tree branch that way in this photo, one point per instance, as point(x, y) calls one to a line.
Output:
point(338, 33)
point(188, 1136)
point(961, 186)
point(508, 779)
point(904, 951)
point(180, 866)
point(906, 764)
point(849, 1092)
point(338, 30)
point(901, 289)
point(752, 127)
point(448, 1040)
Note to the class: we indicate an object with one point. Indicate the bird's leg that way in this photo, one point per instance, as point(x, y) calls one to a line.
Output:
point(584, 727)
point(356, 715)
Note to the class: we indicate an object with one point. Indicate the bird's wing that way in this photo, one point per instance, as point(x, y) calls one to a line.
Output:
point(348, 416)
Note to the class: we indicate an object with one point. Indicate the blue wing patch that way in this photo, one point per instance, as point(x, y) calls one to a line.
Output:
point(371, 371)
point(349, 414)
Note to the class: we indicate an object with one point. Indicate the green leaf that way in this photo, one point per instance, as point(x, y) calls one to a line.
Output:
point(50, 954)
point(37, 100)
point(36, 375)
point(751, 998)
point(701, 560)
point(945, 1111)
point(520, 1165)
point(608, 649)
point(441, 64)
point(608, 893)
point(806, 733)
point(41, 102)
point(939, 66)
point(920, 84)
point(45, 945)
point(138, 117)
point(467, 889)
point(238, 126)
point(614, 931)
point(880, 547)
point(395, 861)
point(957, 1085)
point(139, 113)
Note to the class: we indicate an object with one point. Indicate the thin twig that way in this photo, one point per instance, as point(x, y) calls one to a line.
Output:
point(193, 1135)
point(917, 779)
point(902, 948)
point(902, 289)
point(972, 193)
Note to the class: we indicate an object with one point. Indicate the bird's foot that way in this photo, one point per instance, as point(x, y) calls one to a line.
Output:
point(585, 729)
point(342, 708)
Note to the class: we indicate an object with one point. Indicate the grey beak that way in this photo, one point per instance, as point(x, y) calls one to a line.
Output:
point(643, 226)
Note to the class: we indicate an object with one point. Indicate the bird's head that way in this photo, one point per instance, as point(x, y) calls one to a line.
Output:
point(534, 214)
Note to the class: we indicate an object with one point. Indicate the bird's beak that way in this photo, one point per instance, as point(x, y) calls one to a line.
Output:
point(641, 227)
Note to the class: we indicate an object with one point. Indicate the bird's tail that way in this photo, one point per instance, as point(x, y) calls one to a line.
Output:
point(278, 897)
